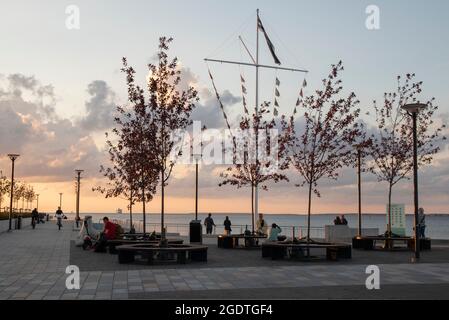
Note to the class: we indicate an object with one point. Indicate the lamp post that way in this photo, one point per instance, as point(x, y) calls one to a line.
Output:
point(413, 110)
point(359, 186)
point(60, 200)
point(13, 158)
point(197, 158)
point(78, 181)
point(37, 202)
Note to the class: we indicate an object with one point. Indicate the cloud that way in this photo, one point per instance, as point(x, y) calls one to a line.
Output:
point(51, 147)
point(100, 108)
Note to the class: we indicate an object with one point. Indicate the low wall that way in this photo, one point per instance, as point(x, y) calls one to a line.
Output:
point(345, 234)
point(4, 224)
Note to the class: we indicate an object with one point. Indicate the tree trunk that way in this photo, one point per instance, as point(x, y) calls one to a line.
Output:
point(252, 208)
point(389, 210)
point(162, 207)
point(144, 213)
point(131, 210)
point(309, 211)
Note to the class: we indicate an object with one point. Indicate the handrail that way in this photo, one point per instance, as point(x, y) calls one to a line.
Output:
point(183, 228)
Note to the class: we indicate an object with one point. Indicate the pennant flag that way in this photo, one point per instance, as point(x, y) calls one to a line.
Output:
point(304, 84)
point(294, 111)
point(298, 102)
point(275, 112)
point(276, 92)
point(278, 83)
point(301, 93)
point(243, 89)
point(244, 101)
point(242, 79)
point(276, 104)
point(246, 110)
point(269, 43)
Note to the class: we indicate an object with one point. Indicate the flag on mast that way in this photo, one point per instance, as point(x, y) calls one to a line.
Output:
point(269, 43)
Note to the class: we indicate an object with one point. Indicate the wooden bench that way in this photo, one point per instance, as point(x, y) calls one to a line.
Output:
point(113, 244)
point(369, 243)
point(183, 253)
point(232, 241)
point(280, 250)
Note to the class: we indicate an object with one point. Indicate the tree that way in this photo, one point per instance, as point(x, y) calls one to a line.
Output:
point(165, 112)
point(133, 173)
point(5, 186)
point(325, 143)
point(170, 108)
point(250, 171)
point(392, 149)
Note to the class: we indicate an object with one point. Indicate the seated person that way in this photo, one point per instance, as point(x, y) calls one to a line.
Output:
point(337, 221)
point(274, 232)
point(109, 233)
point(261, 225)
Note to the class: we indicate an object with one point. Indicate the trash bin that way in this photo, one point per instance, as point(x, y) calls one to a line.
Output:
point(196, 231)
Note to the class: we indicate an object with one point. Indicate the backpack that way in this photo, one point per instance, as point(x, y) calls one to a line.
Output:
point(118, 231)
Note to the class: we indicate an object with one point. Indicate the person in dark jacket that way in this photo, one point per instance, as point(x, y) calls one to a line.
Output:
point(209, 223)
point(34, 217)
point(227, 226)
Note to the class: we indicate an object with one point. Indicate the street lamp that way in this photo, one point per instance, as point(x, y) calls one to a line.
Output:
point(359, 185)
point(197, 158)
point(13, 158)
point(60, 200)
point(413, 110)
point(37, 202)
point(78, 181)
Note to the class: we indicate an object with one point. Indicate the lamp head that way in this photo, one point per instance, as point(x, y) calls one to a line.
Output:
point(414, 107)
point(13, 156)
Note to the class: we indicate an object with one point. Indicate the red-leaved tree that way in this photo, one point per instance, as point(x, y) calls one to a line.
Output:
point(392, 149)
point(324, 144)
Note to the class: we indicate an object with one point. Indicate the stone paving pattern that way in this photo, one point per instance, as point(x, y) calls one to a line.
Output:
point(33, 264)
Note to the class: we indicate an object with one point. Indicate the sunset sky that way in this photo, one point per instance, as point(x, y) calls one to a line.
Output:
point(59, 87)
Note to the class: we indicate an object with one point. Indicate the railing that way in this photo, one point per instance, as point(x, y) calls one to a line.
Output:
point(183, 229)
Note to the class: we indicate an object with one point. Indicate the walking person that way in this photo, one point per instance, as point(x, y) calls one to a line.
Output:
point(227, 226)
point(34, 218)
point(209, 223)
point(59, 216)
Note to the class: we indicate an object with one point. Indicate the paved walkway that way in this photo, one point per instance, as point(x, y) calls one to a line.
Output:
point(33, 263)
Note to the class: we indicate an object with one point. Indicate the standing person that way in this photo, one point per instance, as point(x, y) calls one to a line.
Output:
point(59, 216)
point(34, 217)
point(227, 226)
point(343, 220)
point(209, 223)
point(261, 225)
point(422, 223)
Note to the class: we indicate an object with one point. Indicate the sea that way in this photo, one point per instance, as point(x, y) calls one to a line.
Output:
point(437, 225)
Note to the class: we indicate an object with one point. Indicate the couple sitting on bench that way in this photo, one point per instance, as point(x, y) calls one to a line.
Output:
point(110, 231)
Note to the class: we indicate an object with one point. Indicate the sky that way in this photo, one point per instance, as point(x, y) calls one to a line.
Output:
point(59, 86)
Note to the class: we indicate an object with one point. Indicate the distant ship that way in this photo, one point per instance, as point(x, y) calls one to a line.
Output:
point(119, 211)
